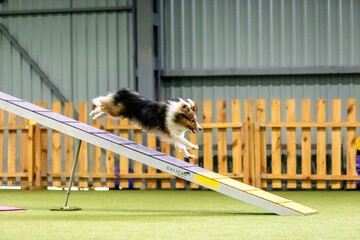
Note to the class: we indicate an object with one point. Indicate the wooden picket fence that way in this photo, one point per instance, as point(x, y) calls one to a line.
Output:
point(252, 149)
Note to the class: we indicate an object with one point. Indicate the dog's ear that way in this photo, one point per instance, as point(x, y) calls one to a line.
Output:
point(185, 108)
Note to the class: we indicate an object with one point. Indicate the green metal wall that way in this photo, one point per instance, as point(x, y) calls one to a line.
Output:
point(84, 54)
point(213, 34)
point(230, 35)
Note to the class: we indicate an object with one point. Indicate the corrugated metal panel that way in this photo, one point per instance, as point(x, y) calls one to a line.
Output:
point(260, 33)
point(84, 54)
point(268, 88)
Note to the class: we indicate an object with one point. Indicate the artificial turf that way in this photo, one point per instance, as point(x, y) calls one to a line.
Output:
point(174, 215)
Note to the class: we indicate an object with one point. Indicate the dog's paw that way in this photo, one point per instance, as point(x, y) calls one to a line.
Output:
point(92, 113)
point(195, 147)
point(99, 115)
point(190, 156)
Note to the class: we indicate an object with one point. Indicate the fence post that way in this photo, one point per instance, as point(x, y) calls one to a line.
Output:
point(83, 156)
point(249, 135)
point(261, 118)
point(208, 152)
point(37, 159)
point(321, 144)
point(276, 142)
point(30, 150)
point(237, 140)
point(56, 149)
point(306, 143)
point(336, 144)
point(350, 144)
point(222, 144)
point(291, 143)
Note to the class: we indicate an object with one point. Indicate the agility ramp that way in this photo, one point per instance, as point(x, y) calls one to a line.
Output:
point(150, 157)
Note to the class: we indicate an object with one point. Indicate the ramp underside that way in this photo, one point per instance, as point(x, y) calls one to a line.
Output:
point(150, 157)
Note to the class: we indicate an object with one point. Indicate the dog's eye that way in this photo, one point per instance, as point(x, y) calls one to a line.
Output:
point(193, 120)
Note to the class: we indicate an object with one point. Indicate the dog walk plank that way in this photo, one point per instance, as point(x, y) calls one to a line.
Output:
point(113, 138)
point(195, 169)
point(236, 184)
point(86, 128)
point(144, 150)
point(184, 170)
point(174, 161)
point(30, 106)
point(7, 97)
point(58, 117)
point(299, 208)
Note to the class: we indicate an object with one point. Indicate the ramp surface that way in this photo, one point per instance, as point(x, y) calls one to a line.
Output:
point(150, 157)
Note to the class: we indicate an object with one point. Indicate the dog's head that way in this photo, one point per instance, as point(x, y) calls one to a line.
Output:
point(186, 115)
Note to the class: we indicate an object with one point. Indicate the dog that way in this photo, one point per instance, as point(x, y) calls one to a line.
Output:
point(169, 120)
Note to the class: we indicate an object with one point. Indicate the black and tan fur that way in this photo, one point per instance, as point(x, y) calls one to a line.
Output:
point(169, 120)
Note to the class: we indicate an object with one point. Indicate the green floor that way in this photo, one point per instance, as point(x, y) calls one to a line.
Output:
point(175, 215)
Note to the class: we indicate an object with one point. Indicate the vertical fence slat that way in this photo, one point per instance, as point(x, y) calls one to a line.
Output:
point(151, 144)
point(276, 142)
point(246, 154)
point(165, 148)
point(69, 141)
point(97, 159)
point(195, 152)
point(261, 118)
point(336, 144)
point(36, 162)
point(12, 150)
point(249, 111)
point(124, 161)
point(321, 144)
point(1, 145)
point(56, 149)
point(257, 155)
point(306, 143)
point(350, 143)
point(110, 156)
point(30, 150)
point(208, 152)
point(236, 138)
point(24, 153)
point(138, 183)
point(83, 155)
point(291, 142)
point(222, 144)
point(180, 183)
point(43, 149)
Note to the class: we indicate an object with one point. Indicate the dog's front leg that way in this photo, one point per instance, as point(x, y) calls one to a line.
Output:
point(99, 115)
point(183, 149)
point(185, 142)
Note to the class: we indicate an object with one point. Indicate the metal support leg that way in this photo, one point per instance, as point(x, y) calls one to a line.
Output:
point(72, 175)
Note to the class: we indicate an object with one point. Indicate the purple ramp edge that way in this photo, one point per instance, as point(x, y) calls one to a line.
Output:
point(58, 117)
point(86, 128)
point(145, 150)
point(114, 138)
point(196, 169)
point(30, 106)
point(174, 161)
point(8, 97)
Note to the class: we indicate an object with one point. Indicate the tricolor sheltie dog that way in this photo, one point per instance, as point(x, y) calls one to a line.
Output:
point(169, 120)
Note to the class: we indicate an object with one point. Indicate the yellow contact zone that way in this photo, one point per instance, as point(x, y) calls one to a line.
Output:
point(207, 182)
point(358, 143)
point(31, 122)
